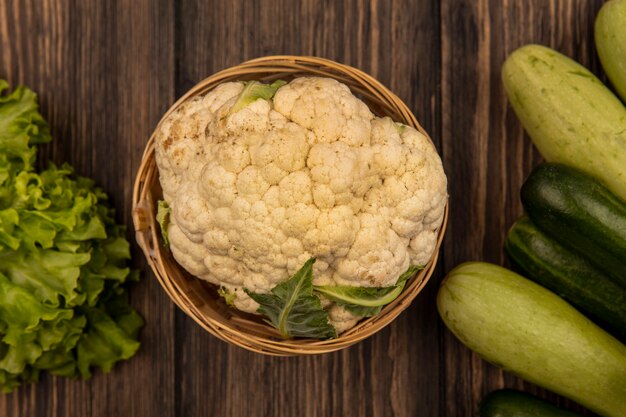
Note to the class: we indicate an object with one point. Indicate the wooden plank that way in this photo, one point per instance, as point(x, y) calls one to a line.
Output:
point(104, 72)
point(486, 154)
point(396, 372)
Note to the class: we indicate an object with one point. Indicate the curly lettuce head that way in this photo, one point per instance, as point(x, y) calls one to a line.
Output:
point(63, 261)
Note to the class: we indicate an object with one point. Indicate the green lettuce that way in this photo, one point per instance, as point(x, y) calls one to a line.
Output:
point(63, 261)
point(21, 126)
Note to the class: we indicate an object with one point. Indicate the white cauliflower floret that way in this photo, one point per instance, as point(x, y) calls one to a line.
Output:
point(257, 192)
point(326, 107)
point(377, 256)
point(341, 318)
point(280, 152)
point(189, 254)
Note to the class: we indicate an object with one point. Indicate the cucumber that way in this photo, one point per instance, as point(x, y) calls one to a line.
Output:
point(580, 213)
point(610, 35)
point(512, 403)
point(570, 115)
point(569, 275)
point(533, 333)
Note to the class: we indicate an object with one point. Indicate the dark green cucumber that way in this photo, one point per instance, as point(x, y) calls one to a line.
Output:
point(511, 403)
point(579, 212)
point(567, 274)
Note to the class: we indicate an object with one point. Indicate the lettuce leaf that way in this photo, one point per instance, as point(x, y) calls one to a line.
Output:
point(293, 309)
point(105, 342)
point(63, 261)
point(21, 126)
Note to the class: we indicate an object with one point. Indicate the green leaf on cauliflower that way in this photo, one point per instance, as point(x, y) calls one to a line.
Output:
point(254, 90)
point(293, 309)
point(229, 297)
point(63, 261)
point(366, 301)
point(400, 127)
point(163, 218)
point(360, 311)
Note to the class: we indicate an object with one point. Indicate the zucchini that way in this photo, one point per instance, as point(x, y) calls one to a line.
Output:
point(570, 115)
point(569, 275)
point(512, 403)
point(580, 213)
point(610, 35)
point(533, 333)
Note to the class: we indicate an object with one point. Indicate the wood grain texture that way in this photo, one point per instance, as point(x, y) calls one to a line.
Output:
point(107, 70)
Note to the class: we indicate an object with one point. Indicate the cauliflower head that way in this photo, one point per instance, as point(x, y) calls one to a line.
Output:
point(256, 192)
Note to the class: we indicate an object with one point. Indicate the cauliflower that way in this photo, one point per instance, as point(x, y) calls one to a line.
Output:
point(257, 189)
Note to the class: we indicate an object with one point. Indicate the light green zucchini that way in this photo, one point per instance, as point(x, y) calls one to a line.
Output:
point(610, 35)
point(570, 115)
point(526, 329)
